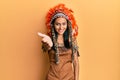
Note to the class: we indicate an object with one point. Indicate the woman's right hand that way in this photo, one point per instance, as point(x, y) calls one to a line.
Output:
point(46, 39)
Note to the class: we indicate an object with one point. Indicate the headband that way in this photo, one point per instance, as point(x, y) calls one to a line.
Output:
point(58, 15)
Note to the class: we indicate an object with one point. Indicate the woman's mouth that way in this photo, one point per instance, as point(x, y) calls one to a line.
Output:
point(60, 30)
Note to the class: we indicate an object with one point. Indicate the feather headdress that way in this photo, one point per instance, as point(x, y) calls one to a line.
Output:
point(60, 8)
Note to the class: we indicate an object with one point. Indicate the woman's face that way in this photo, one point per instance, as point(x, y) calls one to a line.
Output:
point(60, 25)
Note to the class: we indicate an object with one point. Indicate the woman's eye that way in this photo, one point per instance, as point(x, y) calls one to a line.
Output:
point(64, 23)
point(57, 24)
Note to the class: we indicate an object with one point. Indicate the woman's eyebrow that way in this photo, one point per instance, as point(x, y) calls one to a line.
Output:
point(61, 22)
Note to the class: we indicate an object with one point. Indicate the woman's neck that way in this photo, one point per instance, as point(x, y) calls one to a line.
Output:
point(60, 39)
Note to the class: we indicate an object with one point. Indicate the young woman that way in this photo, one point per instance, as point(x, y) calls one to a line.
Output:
point(61, 44)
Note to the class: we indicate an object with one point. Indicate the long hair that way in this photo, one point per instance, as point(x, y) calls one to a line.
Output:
point(66, 35)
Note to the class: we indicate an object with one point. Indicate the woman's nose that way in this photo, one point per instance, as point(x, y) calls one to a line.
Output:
point(61, 27)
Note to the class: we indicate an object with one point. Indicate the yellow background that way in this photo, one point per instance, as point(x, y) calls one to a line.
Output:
point(21, 57)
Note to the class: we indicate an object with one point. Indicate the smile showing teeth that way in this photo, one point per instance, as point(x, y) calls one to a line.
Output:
point(60, 30)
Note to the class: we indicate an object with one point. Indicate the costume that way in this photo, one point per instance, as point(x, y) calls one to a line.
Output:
point(63, 70)
point(61, 58)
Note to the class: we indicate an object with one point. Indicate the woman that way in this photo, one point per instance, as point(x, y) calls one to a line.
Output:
point(61, 44)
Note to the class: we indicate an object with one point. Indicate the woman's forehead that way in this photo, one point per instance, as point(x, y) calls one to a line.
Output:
point(60, 19)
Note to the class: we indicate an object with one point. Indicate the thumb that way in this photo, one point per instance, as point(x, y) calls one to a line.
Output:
point(41, 35)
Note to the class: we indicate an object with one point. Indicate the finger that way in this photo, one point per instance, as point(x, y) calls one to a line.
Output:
point(40, 34)
point(44, 40)
point(46, 43)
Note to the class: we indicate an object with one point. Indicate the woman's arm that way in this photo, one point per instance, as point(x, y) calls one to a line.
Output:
point(76, 66)
point(46, 42)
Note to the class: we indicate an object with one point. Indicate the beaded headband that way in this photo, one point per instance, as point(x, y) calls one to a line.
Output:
point(57, 15)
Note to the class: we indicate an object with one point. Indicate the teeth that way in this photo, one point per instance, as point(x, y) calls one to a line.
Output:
point(61, 31)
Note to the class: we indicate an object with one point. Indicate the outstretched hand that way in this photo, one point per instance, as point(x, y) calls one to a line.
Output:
point(46, 39)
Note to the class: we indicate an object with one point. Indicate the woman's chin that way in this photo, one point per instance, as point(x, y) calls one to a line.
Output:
point(60, 33)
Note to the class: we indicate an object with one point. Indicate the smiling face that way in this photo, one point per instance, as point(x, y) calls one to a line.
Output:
point(60, 25)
